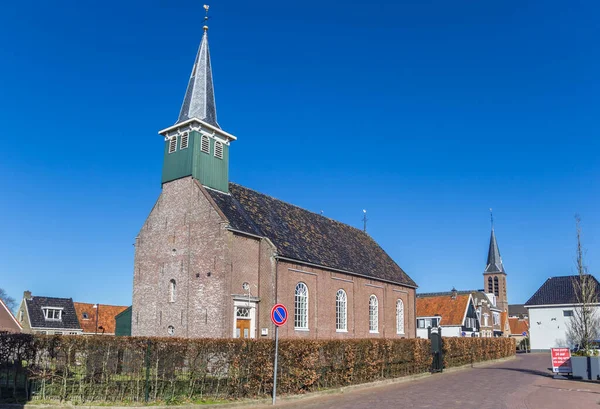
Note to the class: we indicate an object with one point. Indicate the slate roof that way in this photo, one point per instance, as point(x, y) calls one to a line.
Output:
point(494, 261)
point(199, 100)
point(106, 317)
point(518, 326)
point(36, 315)
point(451, 310)
point(558, 290)
point(517, 310)
point(305, 236)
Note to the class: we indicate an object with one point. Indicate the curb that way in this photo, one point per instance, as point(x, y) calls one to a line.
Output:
point(267, 401)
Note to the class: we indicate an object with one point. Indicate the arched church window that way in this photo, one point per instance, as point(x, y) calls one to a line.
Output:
point(340, 311)
point(496, 290)
point(301, 306)
point(490, 285)
point(399, 317)
point(373, 314)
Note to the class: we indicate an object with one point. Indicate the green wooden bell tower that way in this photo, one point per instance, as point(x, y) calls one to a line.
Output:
point(196, 145)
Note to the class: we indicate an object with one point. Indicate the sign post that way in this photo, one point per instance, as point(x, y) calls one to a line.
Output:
point(561, 360)
point(279, 316)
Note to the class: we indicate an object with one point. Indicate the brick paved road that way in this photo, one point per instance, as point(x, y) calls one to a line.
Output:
point(521, 383)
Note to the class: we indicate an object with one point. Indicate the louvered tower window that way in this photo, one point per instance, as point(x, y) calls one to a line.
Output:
point(172, 144)
point(341, 323)
point(490, 285)
point(218, 150)
point(301, 307)
point(205, 145)
point(399, 317)
point(184, 141)
point(496, 289)
point(373, 314)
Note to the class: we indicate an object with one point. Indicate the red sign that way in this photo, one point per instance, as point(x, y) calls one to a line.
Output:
point(279, 314)
point(561, 360)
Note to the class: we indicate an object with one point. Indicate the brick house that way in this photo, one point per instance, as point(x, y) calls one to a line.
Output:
point(48, 315)
point(213, 256)
point(97, 318)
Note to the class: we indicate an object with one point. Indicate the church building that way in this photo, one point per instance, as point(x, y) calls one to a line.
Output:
point(213, 256)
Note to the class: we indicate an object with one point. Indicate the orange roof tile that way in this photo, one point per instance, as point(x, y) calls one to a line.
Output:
point(106, 316)
point(451, 310)
point(518, 326)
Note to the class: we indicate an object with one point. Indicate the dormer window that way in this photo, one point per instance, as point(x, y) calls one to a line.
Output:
point(85, 316)
point(173, 144)
point(218, 150)
point(184, 141)
point(52, 313)
point(205, 145)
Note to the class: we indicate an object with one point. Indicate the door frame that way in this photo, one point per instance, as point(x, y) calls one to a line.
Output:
point(252, 305)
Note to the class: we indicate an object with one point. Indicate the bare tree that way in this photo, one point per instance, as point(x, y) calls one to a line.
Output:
point(8, 300)
point(584, 326)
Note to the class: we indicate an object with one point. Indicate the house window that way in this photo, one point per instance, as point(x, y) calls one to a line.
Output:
point(301, 307)
point(218, 150)
point(373, 314)
point(399, 317)
point(173, 144)
point(490, 285)
point(341, 324)
point(205, 145)
point(496, 318)
point(486, 320)
point(172, 287)
point(183, 144)
point(52, 314)
point(479, 315)
point(567, 313)
point(21, 316)
point(85, 316)
point(58, 333)
point(428, 322)
point(496, 291)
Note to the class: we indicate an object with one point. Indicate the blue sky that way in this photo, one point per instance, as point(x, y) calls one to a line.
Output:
point(425, 113)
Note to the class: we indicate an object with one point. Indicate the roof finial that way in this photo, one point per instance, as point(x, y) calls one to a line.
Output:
point(492, 218)
point(206, 7)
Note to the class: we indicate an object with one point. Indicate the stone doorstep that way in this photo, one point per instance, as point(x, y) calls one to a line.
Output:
point(284, 398)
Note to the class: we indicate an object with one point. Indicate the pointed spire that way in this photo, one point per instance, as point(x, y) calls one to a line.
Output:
point(494, 261)
point(199, 100)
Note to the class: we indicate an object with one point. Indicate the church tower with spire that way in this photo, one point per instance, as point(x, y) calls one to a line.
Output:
point(196, 145)
point(494, 276)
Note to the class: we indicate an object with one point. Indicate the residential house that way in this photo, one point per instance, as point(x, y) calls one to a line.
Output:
point(48, 315)
point(519, 328)
point(213, 257)
point(454, 313)
point(488, 313)
point(551, 309)
point(8, 322)
point(97, 319)
point(518, 311)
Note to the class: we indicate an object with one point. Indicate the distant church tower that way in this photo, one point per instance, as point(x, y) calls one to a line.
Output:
point(494, 276)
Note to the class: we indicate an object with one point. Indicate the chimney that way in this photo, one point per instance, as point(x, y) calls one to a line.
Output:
point(454, 293)
point(27, 295)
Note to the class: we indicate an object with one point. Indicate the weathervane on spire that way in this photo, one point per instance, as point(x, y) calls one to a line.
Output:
point(492, 217)
point(206, 7)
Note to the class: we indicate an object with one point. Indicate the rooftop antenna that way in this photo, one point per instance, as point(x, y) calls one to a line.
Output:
point(206, 7)
point(365, 221)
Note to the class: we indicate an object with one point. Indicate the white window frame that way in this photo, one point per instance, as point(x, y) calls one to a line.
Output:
point(341, 311)
point(496, 316)
point(46, 311)
point(173, 144)
point(205, 143)
point(486, 320)
point(301, 307)
point(218, 149)
point(373, 314)
point(399, 317)
point(184, 138)
point(172, 290)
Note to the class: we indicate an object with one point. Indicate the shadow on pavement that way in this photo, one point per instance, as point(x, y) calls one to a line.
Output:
point(524, 370)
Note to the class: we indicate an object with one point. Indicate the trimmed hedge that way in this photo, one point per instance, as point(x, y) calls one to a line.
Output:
point(124, 369)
